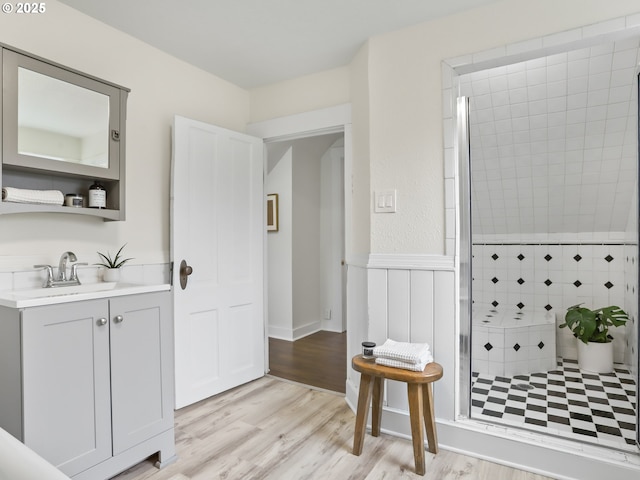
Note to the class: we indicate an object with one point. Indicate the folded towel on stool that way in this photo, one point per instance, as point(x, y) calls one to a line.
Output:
point(415, 353)
point(21, 195)
point(415, 367)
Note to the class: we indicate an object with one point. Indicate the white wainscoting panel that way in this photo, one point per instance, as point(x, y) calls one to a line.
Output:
point(416, 305)
point(356, 323)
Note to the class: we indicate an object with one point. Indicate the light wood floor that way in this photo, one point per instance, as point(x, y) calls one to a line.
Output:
point(319, 360)
point(274, 429)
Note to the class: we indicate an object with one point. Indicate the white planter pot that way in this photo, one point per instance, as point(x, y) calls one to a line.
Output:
point(595, 357)
point(111, 275)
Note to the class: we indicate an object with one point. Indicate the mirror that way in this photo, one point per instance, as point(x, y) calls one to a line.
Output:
point(58, 120)
point(61, 121)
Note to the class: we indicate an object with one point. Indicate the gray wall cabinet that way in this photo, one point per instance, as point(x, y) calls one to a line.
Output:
point(89, 385)
point(61, 129)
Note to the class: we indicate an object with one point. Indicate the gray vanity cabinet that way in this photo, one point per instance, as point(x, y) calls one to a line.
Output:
point(95, 385)
point(65, 374)
point(141, 368)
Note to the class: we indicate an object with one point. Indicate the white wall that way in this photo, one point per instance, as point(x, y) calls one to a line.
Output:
point(306, 234)
point(330, 88)
point(332, 237)
point(279, 246)
point(161, 86)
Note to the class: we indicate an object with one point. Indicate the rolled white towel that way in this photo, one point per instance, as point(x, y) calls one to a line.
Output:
point(416, 353)
point(415, 367)
point(22, 195)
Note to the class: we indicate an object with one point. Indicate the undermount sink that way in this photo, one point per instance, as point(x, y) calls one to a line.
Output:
point(72, 293)
point(69, 290)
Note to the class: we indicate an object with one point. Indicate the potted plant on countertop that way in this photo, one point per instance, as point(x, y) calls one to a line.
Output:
point(591, 328)
point(112, 266)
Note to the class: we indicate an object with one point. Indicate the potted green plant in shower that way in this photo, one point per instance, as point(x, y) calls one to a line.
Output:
point(591, 328)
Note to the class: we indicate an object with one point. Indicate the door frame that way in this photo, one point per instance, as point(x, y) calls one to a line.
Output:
point(303, 125)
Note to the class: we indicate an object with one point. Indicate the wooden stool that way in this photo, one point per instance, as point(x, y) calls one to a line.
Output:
point(420, 394)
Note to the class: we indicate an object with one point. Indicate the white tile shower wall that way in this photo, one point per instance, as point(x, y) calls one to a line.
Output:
point(552, 277)
point(513, 351)
point(552, 139)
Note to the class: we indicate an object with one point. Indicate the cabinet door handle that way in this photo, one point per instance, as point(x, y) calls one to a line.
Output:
point(101, 322)
point(118, 319)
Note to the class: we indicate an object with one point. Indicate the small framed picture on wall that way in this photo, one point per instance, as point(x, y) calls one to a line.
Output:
point(272, 212)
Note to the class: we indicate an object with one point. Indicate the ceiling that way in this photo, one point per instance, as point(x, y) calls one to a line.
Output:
point(252, 43)
point(554, 142)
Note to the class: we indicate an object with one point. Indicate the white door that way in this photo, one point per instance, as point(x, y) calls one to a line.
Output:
point(217, 216)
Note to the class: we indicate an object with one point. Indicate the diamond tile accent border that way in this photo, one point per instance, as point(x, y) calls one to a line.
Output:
point(536, 274)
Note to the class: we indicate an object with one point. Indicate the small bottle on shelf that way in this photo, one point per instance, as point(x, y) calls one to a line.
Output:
point(97, 196)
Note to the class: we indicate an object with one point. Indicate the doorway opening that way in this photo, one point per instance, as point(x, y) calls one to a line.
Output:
point(306, 292)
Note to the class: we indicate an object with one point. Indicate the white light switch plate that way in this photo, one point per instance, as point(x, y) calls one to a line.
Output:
point(385, 201)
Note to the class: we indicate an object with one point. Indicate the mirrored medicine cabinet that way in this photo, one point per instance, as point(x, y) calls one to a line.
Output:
point(61, 130)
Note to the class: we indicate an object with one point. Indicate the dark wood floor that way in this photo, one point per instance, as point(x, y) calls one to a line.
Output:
point(319, 360)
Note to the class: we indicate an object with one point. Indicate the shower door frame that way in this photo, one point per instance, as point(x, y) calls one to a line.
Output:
point(638, 257)
point(464, 253)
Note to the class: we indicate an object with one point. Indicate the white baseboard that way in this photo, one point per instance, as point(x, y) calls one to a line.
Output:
point(283, 333)
point(307, 329)
point(351, 395)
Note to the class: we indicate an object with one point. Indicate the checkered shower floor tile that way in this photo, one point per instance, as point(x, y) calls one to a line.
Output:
point(566, 402)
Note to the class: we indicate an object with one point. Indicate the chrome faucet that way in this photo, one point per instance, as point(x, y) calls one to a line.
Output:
point(61, 279)
point(62, 266)
point(49, 281)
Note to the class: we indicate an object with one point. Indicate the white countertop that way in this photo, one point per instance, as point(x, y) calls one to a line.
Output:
point(51, 296)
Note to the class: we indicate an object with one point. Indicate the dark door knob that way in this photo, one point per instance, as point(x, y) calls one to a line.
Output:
point(185, 271)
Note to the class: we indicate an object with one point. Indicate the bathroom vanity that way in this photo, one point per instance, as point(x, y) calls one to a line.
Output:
point(87, 378)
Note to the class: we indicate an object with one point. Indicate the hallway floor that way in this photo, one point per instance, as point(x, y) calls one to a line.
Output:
point(566, 402)
point(319, 360)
